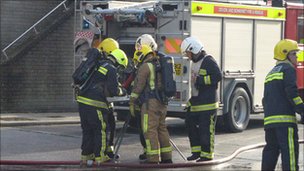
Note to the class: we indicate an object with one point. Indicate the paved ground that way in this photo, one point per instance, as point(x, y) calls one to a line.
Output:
point(66, 130)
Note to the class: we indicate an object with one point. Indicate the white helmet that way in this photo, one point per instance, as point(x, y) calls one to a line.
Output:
point(191, 44)
point(145, 39)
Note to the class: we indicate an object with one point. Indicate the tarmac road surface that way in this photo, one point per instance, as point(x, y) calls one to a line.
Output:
point(60, 141)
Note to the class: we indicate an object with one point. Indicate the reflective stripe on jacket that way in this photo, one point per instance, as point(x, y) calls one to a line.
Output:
point(102, 84)
point(281, 98)
point(207, 98)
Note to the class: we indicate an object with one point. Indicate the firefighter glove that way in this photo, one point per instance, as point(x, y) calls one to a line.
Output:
point(132, 108)
point(122, 91)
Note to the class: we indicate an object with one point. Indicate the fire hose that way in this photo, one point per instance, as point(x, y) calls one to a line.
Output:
point(137, 165)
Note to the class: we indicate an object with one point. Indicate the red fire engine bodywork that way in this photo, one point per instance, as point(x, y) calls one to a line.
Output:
point(294, 29)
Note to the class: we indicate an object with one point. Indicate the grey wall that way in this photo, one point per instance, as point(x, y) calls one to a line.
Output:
point(39, 80)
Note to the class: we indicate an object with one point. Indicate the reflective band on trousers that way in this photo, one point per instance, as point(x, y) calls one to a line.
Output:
point(280, 119)
point(196, 149)
point(204, 107)
point(91, 102)
point(292, 159)
point(88, 157)
point(166, 149)
point(149, 149)
point(207, 155)
point(103, 135)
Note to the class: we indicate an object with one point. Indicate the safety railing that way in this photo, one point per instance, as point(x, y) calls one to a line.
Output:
point(33, 28)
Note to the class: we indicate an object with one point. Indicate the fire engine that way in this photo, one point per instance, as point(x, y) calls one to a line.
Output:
point(240, 36)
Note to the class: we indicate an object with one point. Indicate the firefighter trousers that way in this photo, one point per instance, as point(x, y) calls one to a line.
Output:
point(282, 140)
point(153, 115)
point(201, 130)
point(94, 137)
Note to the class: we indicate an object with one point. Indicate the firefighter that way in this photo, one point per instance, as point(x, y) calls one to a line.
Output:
point(106, 47)
point(145, 39)
point(281, 101)
point(153, 111)
point(203, 104)
point(94, 107)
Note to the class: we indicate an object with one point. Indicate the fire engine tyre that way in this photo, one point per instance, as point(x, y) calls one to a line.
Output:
point(237, 119)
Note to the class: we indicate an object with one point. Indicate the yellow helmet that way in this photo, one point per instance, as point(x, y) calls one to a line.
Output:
point(108, 45)
point(141, 53)
point(121, 57)
point(283, 47)
point(300, 56)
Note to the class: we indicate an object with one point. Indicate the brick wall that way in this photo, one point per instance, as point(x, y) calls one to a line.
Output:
point(38, 81)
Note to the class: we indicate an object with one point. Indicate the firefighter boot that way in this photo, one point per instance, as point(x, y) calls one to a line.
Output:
point(111, 155)
point(110, 152)
point(143, 156)
point(102, 159)
point(86, 163)
point(202, 159)
point(194, 156)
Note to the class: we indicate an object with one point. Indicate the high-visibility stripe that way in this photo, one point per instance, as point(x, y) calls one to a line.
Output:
point(172, 45)
point(103, 70)
point(145, 123)
point(102, 157)
point(202, 72)
point(152, 76)
point(166, 149)
point(88, 157)
point(232, 10)
point(204, 107)
point(207, 80)
point(207, 155)
point(103, 133)
point(149, 149)
point(280, 119)
point(292, 157)
point(91, 102)
point(195, 149)
point(212, 132)
point(274, 76)
point(297, 100)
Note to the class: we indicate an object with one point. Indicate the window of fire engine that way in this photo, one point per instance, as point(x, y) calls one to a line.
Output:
point(301, 28)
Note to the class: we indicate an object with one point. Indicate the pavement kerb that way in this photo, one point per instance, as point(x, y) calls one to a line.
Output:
point(26, 119)
point(12, 124)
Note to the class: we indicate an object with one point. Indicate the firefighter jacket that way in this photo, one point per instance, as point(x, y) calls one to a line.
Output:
point(145, 82)
point(281, 99)
point(102, 84)
point(207, 77)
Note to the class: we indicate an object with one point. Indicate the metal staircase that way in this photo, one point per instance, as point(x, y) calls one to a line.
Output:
point(37, 32)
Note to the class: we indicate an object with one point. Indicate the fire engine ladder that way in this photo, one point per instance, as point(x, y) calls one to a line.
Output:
point(37, 32)
point(128, 9)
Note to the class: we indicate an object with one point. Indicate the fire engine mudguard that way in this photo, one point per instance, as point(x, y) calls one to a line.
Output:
point(237, 107)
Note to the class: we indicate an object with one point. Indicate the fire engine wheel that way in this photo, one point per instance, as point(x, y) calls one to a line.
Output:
point(237, 119)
